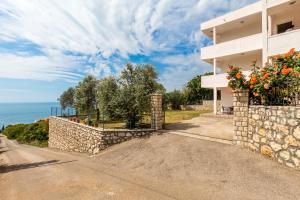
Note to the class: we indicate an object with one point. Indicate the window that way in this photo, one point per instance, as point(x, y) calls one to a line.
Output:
point(281, 28)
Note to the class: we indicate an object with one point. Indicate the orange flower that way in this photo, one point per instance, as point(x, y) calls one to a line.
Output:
point(277, 56)
point(253, 80)
point(266, 75)
point(284, 67)
point(238, 75)
point(286, 71)
point(298, 56)
point(291, 52)
point(255, 94)
point(262, 71)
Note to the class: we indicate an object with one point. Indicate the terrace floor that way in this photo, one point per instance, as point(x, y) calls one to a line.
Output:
point(206, 126)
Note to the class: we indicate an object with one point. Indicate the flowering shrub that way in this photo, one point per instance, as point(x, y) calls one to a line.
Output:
point(237, 79)
point(283, 73)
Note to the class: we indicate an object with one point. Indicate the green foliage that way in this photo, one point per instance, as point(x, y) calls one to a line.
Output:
point(194, 93)
point(174, 99)
point(33, 134)
point(136, 84)
point(67, 98)
point(85, 95)
point(282, 74)
point(107, 89)
point(14, 131)
point(237, 80)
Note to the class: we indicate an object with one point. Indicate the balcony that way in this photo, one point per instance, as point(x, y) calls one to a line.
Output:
point(218, 80)
point(282, 43)
point(244, 44)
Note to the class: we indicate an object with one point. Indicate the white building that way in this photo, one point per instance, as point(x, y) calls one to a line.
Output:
point(252, 33)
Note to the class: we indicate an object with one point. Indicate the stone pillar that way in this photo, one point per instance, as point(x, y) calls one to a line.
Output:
point(156, 112)
point(240, 120)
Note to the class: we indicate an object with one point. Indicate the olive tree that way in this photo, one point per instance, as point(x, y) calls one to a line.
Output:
point(136, 84)
point(107, 89)
point(85, 95)
point(67, 98)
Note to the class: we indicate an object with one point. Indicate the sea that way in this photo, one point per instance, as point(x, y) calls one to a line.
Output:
point(25, 113)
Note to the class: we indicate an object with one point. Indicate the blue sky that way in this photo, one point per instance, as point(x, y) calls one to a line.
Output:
point(47, 46)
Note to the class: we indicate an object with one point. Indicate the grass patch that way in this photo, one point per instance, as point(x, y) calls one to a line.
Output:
point(175, 116)
point(172, 116)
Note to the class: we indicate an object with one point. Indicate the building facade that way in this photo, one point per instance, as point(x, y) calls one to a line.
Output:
point(250, 34)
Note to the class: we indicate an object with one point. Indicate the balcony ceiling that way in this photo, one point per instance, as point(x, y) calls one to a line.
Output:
point(234, 25)
point(286, 7)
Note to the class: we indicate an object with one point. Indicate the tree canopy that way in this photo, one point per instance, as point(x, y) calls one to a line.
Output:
point(67, 98)
point(85, 95)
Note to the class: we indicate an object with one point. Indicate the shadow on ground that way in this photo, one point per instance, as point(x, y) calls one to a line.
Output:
point(15, 167)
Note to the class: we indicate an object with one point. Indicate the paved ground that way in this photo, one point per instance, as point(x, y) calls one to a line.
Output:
point(160, 167)
point(206, 126)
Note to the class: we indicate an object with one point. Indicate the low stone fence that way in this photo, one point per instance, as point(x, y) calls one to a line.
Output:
point(206, 105)
point(272, 130)
point(71, 136)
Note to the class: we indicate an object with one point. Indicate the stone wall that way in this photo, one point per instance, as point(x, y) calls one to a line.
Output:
point(157, 118)
point(71, 136)
point(207, 105)
point(273, 131)
point(240, 119)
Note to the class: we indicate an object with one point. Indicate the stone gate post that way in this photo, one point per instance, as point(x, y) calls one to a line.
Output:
point(156, 112)
point(240, 120)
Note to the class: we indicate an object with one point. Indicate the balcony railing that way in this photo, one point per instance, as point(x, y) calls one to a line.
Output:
point(244, 44)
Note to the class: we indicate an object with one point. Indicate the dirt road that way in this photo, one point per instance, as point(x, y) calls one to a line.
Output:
point(160, 167)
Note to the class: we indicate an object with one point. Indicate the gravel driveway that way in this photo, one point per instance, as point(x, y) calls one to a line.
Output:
point(160, 167)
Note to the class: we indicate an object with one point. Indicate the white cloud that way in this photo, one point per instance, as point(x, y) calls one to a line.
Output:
point(113, 27)
point(181, 68)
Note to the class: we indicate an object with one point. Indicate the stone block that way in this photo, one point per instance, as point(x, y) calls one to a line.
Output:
point(285, 155)
point(266, 150)
point(290, 140)
point(296, 133)
point(275, 146)
point(262, 132)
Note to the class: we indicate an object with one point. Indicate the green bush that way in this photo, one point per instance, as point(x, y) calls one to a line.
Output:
point(14, 131)
point(34, 134)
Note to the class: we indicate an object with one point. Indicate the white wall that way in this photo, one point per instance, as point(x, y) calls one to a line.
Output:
point(239, 32)
point(292, 14)
point(243, 61)
point(226, 97)
point(245, 44)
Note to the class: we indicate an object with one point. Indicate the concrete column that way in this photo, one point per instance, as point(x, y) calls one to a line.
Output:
point(215, 35)
point(215, 100)
point(269, 25)
point(240, 119)
point(265, 31)
point(215, 66)
point(156, 112)
point(215, 42)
